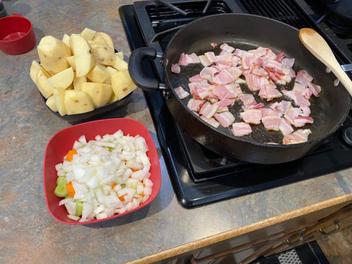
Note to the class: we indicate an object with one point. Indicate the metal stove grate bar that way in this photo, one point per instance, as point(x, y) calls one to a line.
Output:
point(282, 10)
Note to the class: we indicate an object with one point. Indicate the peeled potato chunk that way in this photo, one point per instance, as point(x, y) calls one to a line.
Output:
point(83, 59)
point(78, 81)
point(88, 34)
point(43, 85)
point(100, 93)
point(98, 74)
point(59, 97)
point(103, 38)
point(66, 40)
point(50, 102)
point(62, 80)
point(71, 62)
point(103, 54)
point(120, 64)
point(77, 102)
point(122, 84)
point(52, 53)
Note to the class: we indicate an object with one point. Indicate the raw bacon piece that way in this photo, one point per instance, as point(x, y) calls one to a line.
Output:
point(240, 53)
point(221, 67)
point(235, 72)
point(210, 121)
point(240, 129)
point(288, 62)
point(213, 45)
point(249, 60)
point(223, 77)
point(281, 107)
point(222, 109)
point(225, 59)
point(301, 121)
point(221, 92)
point(208, 109)
point(285, 127)
point(303, 77)
point(196, 78)
point(235, 60)
point(208, 73)
point(225, 118)
point(269, 92)
point(195, 104)
point(256, 106)
point(315, 89)
point(252, 116)
point(175, 68)
point(299, 136)
point(193, 58)
point(183, 61)
point(280, 56)
point(234, 90)
point(204, 61)
point(254, 82)
point(226, 102)
point(271, 122)
point(259, 71)
point(270, 112)
point(181, 93)
point(304, 111)
point(210, 56)
point(247, 100)
point(291, 114)
point(298, 98)
point(227, 48)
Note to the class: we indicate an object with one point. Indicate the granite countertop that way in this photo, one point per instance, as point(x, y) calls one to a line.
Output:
point(29, 234)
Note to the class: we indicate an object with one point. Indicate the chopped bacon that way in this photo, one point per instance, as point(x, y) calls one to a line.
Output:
point(269, 92)
point(225, 59)
point(235, 60)
point(225, 118)
point(195, 104)
point(270, 112)
point(285, 127)
point(282, 106)
point(299, 136)
point(175, 68)
point(183, 60)
point(240, 129)
point(223, 77)
point(301, 121)
point(181, 93)
point(252, 116)
point(304, 111)
point(239, 52)
point(208, 73)
point(211, 121)
point(227, 48)
point(315, 89)
point(249, 60)
point(234, 90)
point(280, 56)
point(230, 91)
point(256, 106)
point(254, 82)
point(204, 61)
point(271, 122)
point(194, 58)
point(226, 102)
point(291, 114)
point(297, 97)
point(186, 59)
point(222, 109)
point(303, 77)
point(247, 99)
point(288, 62)
point(195, 78)
point(210, 56)
point(208, 109)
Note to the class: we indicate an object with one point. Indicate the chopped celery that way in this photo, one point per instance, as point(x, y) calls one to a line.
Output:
point(60, 190)
point(61, 180)
point(79, 208)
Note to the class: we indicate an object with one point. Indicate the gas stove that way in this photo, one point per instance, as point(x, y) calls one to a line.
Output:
point(198, 175)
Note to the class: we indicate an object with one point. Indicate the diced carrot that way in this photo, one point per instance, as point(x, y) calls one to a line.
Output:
point(122, 198)
point(70, 154)
point(113, 184)
point(70, 190)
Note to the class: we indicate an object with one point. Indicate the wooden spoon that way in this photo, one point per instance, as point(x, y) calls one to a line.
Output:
point(321, 50)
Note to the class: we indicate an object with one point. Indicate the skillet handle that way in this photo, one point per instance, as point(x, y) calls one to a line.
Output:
point(135, 68)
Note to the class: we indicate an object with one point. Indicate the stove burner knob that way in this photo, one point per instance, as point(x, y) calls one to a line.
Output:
point(347, 136)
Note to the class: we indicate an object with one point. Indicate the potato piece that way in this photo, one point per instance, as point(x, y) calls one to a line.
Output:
point(98, 74)
point(34, 70)
point(62, 80)
point(103, 54)
point(43, 85)
point(88, 34)
point(103, 38)
point(50, 102)
point(78, 81)
point(82, 55)
point(59, 97)
point(100, 93)
point(66, 40)
point(110, 70)
point(120, 54)
point(71, 62)
point(52, 53)
point(77, 102)
point(120, 64)
point(122, 84)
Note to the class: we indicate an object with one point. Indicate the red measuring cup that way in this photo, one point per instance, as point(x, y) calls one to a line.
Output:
point(16, 35)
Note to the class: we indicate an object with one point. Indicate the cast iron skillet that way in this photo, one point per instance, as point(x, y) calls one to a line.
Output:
point(246, 32)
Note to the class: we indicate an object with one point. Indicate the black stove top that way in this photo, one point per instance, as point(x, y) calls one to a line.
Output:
point(198, 175)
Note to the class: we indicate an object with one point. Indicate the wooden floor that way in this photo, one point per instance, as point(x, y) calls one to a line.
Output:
point(338, 247)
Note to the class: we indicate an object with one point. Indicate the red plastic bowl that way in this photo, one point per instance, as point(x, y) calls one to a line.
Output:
point(63, 140)
point(16, 35)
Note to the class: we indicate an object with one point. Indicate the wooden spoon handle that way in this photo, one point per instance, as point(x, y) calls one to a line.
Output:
point(321, 50)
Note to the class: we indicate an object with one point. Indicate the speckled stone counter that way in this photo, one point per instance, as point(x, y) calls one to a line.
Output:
point(28, 234)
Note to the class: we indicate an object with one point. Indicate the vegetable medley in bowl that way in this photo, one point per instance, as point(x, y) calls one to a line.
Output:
point(107, 176)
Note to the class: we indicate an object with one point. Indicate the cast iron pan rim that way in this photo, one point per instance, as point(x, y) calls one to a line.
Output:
point(280, 145)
